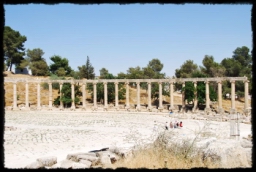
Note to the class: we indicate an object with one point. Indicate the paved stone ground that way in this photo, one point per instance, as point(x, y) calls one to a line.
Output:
point(35, 134)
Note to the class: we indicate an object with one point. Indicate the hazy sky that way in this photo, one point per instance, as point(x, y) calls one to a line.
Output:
point(121, 36)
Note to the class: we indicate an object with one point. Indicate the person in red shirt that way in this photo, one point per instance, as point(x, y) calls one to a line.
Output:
point(181, 124)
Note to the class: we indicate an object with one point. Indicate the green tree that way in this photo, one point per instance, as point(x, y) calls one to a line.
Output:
point(212, 68)
point(35, 62)
point(13, 47)
point(110, 88)
point(59, 62)
point(155, 65)
point(187, 69)
point(87, 70)
point(121, 75)
point(103, 73)
point(66, 95)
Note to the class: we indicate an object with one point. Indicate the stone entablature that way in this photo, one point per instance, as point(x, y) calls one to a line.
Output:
point(137, 81)
point(176, 80)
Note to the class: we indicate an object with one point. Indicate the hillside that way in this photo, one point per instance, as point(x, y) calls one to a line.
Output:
point(45, 95)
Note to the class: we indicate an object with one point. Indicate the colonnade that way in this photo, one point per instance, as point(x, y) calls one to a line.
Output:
point(138, 82)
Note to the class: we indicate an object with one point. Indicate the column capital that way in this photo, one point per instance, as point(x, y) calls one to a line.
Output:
point(61, 83)
point(246, 81)
point(160, 82)
point(126, 83)
point(206, 82)
point(171, 82)
point(116, 83)
point(83, 83)
point(148, 82)
point(137, 83)
point(94, 83)
point(232, 81)
point(219, 81)
point(49, 82)
point(105, 83)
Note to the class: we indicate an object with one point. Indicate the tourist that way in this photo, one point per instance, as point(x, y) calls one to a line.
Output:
point(171, 124)
point(175, 124)
point(181, 124)
point(166, 126)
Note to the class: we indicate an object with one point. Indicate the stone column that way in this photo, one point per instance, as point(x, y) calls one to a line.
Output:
point(116, 96)
point(233, 108)
point(195, 94)
point(84, 95)
point(207, 98)
point(220, 109)
point(73, 107)
point(127, 96)
point(27, 101)
point(149, 97)
point(171, 97)
point(105, 96)
point(138, 96)
point(61, 103)
point(38, 96)
point(160, 97)
point(50, 95)
point(94, 96)
point(246, 110)
point(183, 98)
point(15, 96)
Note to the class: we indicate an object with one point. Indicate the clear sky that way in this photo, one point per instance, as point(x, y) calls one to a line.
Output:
point(121, 36)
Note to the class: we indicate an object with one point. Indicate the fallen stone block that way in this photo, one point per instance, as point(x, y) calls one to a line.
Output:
point(246, 143)
point(227, 153)
point(86, 162)
point(67, 164)
point(35, 165)
point(48, 161)
point(73, 156)
point(76, 165)
point(93, 159)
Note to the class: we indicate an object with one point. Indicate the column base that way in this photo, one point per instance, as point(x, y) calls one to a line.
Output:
point(232, 111)
point(160, 109)
point(171, 108)
point(15, 108)
point(221, 111)
point(39, 108)
point(83, 108)
point(182, 110)
point(247, 112)
point(138, 109)
point(149, 109)
point(94, 108)
point(127, 108)
point(207, 110)
point(26, 108)
point(49, 108)
point(105, 108)
point(117, 108)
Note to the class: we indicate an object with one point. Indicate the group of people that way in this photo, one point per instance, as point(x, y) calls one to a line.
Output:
point(175, 124)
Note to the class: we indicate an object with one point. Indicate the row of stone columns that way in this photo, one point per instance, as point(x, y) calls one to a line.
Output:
point(207, 109)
